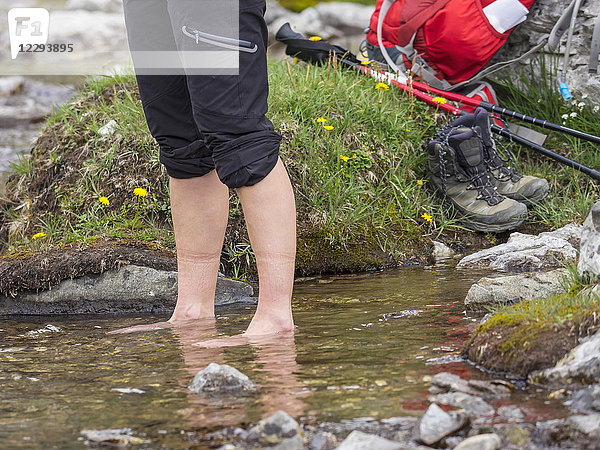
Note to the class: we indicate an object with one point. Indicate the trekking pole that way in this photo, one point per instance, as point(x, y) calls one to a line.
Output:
point(320, 52)
point(506, 112)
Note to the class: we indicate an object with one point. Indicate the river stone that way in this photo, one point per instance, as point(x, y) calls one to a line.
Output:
point(118, 436)
point(324, 440)
point(295, 443)
point(274, 429)
point(582, 364)
point(585, 400)
point(489, 441)
point(444, 382)
point(511, 413)
point(589, 251)
point(128, 288)
point(357, 440)
point(221, 378)
point(492, 291)
point(473, 406)
point(436, 424)
point(441, 252)
point(524, 252)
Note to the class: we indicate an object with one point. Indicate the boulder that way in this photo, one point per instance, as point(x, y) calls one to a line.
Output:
point(585, 400)
point(436, 424)
point(128, 288)
point(357, 440)
point(542, 17)
point(525, 253)
point(589, 250)
point(582, 364)
point(493, 291)
point(488, 441)
point(473, 406)
point(274, 430)
point(221, 379)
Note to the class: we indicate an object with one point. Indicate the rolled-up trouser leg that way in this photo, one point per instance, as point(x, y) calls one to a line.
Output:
point(164, 92)
point(230, 109)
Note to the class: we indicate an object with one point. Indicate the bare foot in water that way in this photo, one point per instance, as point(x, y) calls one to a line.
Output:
point(263, 329)
point(206, 322)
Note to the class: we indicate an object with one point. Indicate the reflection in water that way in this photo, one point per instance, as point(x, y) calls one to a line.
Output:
point(363, 345)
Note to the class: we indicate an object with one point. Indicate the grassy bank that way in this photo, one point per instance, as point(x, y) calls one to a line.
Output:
point(358, 176)
point(534, 335)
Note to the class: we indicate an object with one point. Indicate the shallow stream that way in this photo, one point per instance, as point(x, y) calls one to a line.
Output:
point(365, 346)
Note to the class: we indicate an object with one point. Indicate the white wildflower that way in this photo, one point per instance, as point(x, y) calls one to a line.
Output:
point(573, 114)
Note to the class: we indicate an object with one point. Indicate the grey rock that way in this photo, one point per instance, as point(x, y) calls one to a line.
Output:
point(221, 379)
point(441, 252)
point(524, 252)
point(489, 441)
point(588, 425)
point(295, 443)
point(128, 288)
point(493, 291)
point(119, 436)
point(511, 413)
point(324, 440)
point(589, 251)
point(515, 435)
point(473, 406)
point(108, 128)
point(10, 85)
point(582, 364)
point(585, 400)
point(357, 440)
point(274, 429)
point(344, 16)
point(540, 21)
point(436, 424)
point(444, 382)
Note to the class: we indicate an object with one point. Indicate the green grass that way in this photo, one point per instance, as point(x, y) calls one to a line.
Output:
point(358, 186)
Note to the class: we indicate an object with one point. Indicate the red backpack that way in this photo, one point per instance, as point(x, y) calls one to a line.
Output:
point(453, 37)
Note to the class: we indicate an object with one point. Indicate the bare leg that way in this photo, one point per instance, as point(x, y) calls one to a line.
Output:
point(200, 208)
point(270, 213)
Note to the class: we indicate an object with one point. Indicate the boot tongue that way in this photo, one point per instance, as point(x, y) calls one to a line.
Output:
point(469, 152)
point(483, 122)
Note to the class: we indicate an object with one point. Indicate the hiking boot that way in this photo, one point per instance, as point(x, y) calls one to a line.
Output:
point(455, 167)
point(523, 188)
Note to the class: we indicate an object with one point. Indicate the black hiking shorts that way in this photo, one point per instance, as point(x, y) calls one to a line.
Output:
point(205, 121)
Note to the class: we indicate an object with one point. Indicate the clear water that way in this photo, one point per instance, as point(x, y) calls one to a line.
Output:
point(351, 357)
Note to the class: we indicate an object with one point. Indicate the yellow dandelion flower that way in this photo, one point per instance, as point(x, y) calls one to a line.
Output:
point(382, 87)
point(420, 182)
point(321, 120)
point(354, 155)
point(296, 60)
point(38, 235)
point(344, 158)
point(104, 201)
point(140, 192)
point(440, 100)
point(365, 63)
point(328, 127)
point(427, 217)
point(315, 38)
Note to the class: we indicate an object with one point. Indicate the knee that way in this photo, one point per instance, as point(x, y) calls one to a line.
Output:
point(246, 160)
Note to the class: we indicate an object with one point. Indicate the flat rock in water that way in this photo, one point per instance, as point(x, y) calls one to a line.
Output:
point(525, 253)
point(10, 85)
point(510, 289)
point(118, 436)
point(589, 251)
point(357, 440)
point(274, 429)
point(488, 441)
point(441, 252)
point(582, 364)
point(436, 424)
point(473, 406)
point(127, 288)
point(444, 382)
point(221, 379)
